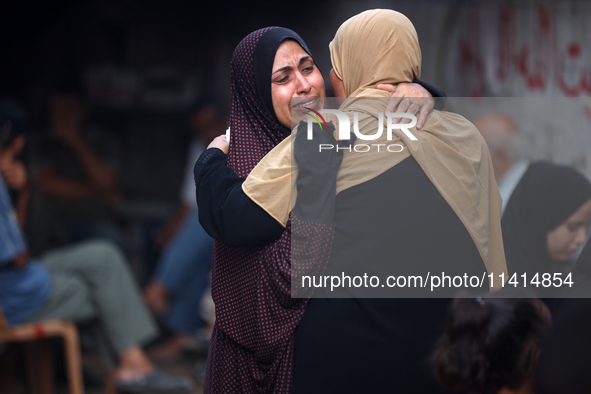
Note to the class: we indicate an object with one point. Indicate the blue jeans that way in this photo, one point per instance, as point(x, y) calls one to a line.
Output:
point(184, 270)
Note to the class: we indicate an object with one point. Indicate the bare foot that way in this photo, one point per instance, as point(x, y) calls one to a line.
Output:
point(133, 363)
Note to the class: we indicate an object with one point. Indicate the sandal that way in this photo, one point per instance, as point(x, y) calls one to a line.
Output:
point(156, 382)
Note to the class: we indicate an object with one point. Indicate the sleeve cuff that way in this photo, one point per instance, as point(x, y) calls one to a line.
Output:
point(205, 158)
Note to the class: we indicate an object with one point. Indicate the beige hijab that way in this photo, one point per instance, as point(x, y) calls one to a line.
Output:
point(381, 46)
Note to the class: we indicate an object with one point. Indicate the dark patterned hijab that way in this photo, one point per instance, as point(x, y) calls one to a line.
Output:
point(547, 195)
point(254, 128)
point(252, 344)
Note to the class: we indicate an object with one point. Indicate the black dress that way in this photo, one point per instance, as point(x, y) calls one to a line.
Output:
point(369, 345)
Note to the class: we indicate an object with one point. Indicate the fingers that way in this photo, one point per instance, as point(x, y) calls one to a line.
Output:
point(413, 109)
point(409, 98)
point(394, 104)
point(412, 90)
point(387, 87)
point(420, 107)
point(402, 106)
point(395, 99)
point(425, 110)
point(221, 143)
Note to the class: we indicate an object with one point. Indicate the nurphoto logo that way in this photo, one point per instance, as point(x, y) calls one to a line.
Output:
point(315, 116)
point(344, 132)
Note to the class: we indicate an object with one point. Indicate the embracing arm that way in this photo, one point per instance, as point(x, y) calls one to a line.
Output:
point(434, 91)
point(418, 98)
point(230, 216)
point(225, 211)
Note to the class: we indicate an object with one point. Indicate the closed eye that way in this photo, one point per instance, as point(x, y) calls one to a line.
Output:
point(575, 226)
point(283, 80)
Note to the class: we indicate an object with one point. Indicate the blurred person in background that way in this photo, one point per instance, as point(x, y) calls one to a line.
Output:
point(546, 221)
point(78, 189)
point(182, 274)
point(85, 281)
point(504, 142)
point(490, 345)
point(545, 209)
point(12, 167)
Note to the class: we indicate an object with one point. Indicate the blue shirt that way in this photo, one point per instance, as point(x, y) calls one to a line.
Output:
point(23, 291)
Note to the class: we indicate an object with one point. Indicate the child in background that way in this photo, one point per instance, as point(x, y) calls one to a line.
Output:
point(491, 344)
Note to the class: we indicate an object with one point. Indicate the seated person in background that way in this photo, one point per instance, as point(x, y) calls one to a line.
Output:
point(82, 282)
point(183, 271)
point(490, 345)
point(77, 186)
point(13, 171)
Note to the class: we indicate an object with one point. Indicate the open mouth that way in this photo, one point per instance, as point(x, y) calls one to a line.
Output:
point(307, 103)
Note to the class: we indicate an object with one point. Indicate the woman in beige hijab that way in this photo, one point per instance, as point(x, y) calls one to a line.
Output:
point(433, 206)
